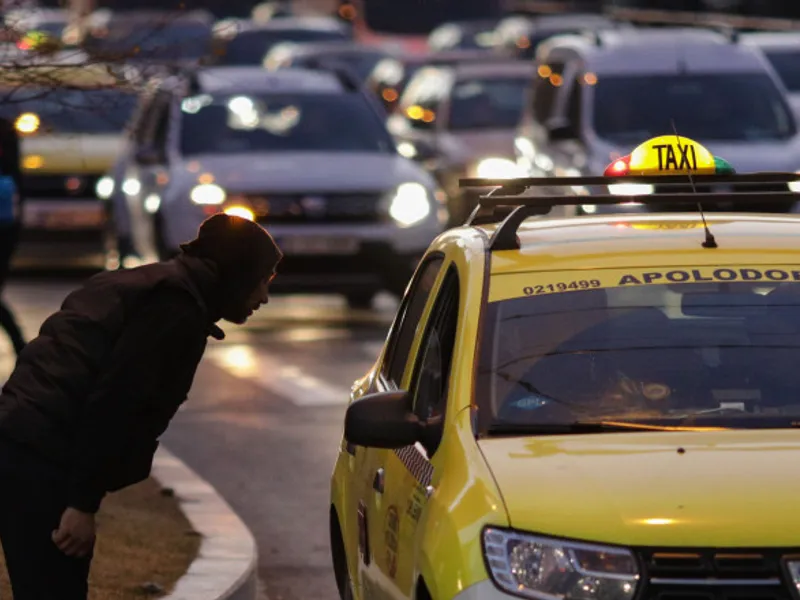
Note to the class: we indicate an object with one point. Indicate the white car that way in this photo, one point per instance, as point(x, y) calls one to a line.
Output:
point(305, 153)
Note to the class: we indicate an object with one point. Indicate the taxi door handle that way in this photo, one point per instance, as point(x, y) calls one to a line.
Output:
point(378, 482)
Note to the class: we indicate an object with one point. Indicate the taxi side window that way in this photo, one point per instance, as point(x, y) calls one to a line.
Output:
point(404, 329)
point(431, 377)
point(545, 93)
point(432, 374)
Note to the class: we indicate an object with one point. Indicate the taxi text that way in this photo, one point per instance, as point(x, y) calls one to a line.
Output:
point(721, 274)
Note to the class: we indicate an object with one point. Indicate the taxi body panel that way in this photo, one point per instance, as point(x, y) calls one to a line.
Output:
point(412, 522)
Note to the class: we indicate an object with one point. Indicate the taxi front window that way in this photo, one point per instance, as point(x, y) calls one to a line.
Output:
point(699, 347)
point(489, 103)
point(787, 64)
point(729, 107)
point(74, 111)
point(281, 123)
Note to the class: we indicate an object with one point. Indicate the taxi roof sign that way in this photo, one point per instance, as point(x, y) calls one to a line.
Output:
point(669, 155)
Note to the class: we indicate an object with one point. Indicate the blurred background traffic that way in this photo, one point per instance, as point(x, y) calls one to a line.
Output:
point(344, 126)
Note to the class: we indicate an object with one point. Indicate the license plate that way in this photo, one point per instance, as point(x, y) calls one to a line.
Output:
point(63, 218)
point(318, 245)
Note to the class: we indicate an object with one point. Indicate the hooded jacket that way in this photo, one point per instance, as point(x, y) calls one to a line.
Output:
point(108, 371)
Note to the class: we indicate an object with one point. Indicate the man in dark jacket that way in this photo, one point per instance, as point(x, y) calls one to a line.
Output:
point(82, 412)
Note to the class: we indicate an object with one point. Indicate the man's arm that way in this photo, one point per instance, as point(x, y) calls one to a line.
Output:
point(161, 330)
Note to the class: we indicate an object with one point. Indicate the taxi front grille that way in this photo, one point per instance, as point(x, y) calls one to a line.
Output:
point(769, 207)
point(714, 575)
point(359, 207)
point(60, 187)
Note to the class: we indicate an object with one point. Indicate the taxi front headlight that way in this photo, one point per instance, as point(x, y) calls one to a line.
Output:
point(207, 193)
point(410, 204)
point(497, 168)
point(548, 569)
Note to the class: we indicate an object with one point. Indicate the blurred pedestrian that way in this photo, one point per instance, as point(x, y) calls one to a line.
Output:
point(90, 396)
point(10, 223)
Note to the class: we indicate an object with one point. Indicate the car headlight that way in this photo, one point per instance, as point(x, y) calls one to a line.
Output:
point(497, 168)
point(104, 188)
point(410, 204)
point(794, 186)
point(549, 569)
point(207, 193)
point(630, 189)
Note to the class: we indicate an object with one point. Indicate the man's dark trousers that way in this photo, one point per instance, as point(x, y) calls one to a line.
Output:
point(32, 500)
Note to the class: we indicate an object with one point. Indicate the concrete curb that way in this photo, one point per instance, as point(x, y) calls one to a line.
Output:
point(225, 568)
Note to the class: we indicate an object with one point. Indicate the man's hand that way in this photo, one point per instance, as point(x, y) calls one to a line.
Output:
point(76, 533)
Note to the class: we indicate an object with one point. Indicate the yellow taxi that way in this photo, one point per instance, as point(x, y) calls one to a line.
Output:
point(587, 408)
point(71, 120)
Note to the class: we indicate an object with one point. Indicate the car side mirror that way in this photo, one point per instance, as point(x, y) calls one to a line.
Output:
point(383, 420)
point(148, 156)
point(560, 130)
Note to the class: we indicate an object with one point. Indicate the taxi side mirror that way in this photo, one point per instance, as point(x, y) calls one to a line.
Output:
point(383, 420)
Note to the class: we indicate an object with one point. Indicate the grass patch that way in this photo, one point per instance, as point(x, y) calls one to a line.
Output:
point(143, 537)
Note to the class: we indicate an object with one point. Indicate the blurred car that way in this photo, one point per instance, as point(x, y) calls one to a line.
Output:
point(305, 153)
point(359, 58)
point(478, 34)
point(596, 408)
point(390, 76)
point(71, 121)
point(519, 36)
point(782, 49)
point(245, 43)
point(597, 95)
point(273, 9)
point(463, 120)
point(149, 37)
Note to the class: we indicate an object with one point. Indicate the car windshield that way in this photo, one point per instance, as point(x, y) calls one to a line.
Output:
point(281, 123)
point(731, 107)
point(73, 111)
point(683, 346)
point(250, 47)
point(153, 41)
point(488, 103)
point(787, 64)
point(361, 62)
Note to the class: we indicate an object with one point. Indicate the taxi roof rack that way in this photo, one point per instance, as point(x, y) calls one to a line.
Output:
point(508, 205)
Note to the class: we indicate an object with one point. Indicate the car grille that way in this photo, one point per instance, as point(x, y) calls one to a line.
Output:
point(60, 187)
point(758, 206)
point(360, 207)
point(673, 574)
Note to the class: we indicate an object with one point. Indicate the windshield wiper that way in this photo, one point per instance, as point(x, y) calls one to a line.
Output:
point(569, 428)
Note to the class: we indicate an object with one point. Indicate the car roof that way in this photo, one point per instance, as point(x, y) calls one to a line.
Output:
point(258, 80)
point(652, 240)
point(290, 23)
point(512, 68)
point(773, 40)
point(658, 50)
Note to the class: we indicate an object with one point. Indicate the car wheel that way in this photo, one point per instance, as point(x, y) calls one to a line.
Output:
point(360, 300)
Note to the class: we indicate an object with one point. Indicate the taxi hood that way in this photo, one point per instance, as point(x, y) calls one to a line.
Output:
point(701, 488)
point(70, 154)
point(306, 171)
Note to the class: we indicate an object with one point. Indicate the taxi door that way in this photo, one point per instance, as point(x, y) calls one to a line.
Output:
point(406, 478)
point(369, 510)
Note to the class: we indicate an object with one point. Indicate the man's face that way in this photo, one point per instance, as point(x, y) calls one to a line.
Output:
point(239, 311)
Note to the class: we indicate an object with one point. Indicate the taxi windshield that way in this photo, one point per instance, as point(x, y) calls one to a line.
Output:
point(731, 107)
point(281, 123)
point(787, 64)
point(488, 103)
point(73, 111)
point(712, 347)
